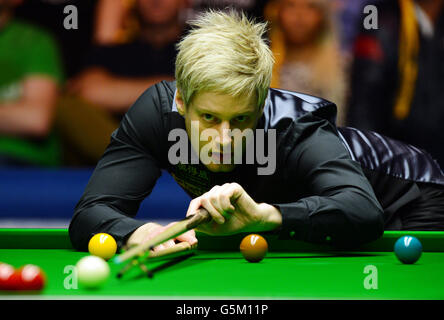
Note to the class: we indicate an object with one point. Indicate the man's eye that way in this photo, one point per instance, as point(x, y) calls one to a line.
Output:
point(208, 117)
point(241, 118)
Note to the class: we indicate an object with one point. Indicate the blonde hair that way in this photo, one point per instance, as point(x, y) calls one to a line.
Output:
point(225, 53)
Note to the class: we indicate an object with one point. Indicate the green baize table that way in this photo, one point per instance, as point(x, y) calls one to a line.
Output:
point(217, 270)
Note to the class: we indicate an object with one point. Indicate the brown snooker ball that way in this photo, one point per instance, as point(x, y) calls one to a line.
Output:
point(254, 247)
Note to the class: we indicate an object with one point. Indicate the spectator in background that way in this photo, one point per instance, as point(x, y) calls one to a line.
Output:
point(398, 75)
point(349, 14)
point(50, 15)
point(116, 73)
point(117, 23)
point(252, 8)
point(30, 73)
point(307, 50)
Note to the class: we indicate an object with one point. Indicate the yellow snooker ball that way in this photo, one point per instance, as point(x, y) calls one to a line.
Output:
point(102, 245)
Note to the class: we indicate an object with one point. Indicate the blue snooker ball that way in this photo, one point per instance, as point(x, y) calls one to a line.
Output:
point(408, 249)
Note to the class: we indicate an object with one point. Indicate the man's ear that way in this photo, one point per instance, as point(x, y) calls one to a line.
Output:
point(179, 103)
point(262, 109)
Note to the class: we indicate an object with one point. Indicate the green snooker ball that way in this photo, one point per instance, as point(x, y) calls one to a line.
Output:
point(408, 249)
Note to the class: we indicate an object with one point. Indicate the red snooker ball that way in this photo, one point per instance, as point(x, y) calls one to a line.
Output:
point(8, 277)
point(30, 277)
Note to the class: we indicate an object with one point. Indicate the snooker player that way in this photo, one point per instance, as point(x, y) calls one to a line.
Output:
point(328, 185)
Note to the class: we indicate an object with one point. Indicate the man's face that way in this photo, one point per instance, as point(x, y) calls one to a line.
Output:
point(211, 113)
point(159, 12)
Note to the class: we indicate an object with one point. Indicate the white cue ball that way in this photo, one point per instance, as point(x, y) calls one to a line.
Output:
point(92, 271)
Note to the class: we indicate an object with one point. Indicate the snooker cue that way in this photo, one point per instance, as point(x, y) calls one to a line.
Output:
point(179, 247)
point(190, 222)
point(177, 250)
point(148, 272)
point(131, 264)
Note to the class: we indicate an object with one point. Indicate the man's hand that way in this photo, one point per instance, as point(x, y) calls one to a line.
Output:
point(150, 230)
point(234, 211)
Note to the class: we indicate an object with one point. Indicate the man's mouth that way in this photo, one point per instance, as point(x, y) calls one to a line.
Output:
point(217, 156)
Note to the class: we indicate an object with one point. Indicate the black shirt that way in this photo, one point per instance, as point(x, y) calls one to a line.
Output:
point(319, 185)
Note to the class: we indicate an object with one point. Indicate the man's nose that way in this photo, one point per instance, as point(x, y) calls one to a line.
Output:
point(224, 136)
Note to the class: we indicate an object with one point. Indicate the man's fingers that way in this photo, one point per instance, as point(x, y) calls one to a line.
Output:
point(189, 236)
point(154, 232)
point(205, 203)
point(195, 204)
point(226, 204)
point(165, 245)
point(159, 247)
point(209, 228)
point(216, 215)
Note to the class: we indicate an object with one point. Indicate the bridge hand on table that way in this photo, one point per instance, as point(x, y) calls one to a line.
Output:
point(151, 229)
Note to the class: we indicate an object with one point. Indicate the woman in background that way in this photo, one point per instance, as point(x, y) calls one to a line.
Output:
point(307, 50)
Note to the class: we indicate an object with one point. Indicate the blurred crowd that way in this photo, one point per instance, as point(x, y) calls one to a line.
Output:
point(63, 90)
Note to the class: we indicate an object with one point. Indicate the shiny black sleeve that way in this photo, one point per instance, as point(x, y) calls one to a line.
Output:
point(341, 207)
point(124, 176)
